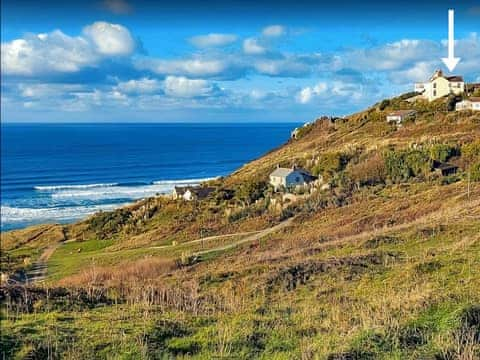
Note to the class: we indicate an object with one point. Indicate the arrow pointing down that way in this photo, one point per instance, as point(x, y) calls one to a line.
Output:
point(451, 62)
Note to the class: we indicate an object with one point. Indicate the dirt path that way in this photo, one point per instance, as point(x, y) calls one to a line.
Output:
point(208, 238)
point(38, 272)
point(257, 236)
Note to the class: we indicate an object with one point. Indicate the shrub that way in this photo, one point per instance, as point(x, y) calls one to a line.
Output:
point(402, 165)
point(330, 163)
point(250, 191)
point(369, 172)
point(441, 152)
point(475, 172)
point(384, 104)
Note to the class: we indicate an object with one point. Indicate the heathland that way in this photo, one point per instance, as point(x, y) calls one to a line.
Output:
point(383, 262)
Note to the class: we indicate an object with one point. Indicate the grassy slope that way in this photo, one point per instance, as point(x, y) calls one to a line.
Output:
point(392, 274)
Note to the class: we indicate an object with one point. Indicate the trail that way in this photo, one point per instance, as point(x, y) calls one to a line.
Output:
point(259, 235)
point(38, 272)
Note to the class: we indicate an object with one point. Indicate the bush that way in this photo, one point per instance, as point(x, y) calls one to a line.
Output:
point(330, 163)
point(369, 172)
point(403, 165)
point(250, 191)
point(475, 172)
point(441, 152)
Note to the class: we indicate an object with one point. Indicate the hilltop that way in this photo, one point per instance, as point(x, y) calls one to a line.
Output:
point(381, 263)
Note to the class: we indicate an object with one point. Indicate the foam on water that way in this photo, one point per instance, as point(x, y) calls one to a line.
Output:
point(63, 187)
point(13, 215)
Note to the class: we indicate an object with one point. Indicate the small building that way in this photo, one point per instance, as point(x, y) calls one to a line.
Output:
point(400, 116)
point(197, 193)
point(439, 86)
point(179, 191)
point(444, 169)
point(290, 177)
point(469, 104)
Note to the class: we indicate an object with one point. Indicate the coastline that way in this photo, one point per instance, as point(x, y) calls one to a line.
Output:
point(71, 215)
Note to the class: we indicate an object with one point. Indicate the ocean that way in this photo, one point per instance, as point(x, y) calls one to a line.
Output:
point(63, 172)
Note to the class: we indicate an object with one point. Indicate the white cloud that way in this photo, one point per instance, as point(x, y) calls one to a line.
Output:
point(56, 52)
point(212, 40)
point(190, 67)
point(110, 39)
point(182, 87)
point(285, 67)
point(305, 95)
point(43, 53)
point(117, 6)
point(273, 31)
point(140, 86)
point(252, 47)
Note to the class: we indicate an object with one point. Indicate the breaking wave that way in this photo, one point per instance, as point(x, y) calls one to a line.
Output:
point(64, 187)
point(13, 215)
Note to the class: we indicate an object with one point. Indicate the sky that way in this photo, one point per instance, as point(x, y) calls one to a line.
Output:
point(221, 61)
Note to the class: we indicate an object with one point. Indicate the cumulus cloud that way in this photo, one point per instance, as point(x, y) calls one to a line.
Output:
point(305, 95)
point(44, 53)
point(179, 86)
point(213, 40)
point(140, 86)
point(110, 39)
point(273, 31)
point(214, 67)
point(52, 52)
point(252, 47)
point(117, 6)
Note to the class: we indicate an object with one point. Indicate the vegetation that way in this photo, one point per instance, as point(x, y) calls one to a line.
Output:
point(383, 263)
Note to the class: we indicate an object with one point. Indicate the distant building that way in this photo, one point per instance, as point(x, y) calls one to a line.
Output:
point(400, 116)
point(469, 104)
point(290, 177)
point(189, 193)
point(197, 193)
point(179, 191)
point(444, 169)
point(439, 86)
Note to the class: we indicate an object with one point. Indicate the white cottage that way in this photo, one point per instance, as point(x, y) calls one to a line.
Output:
point(469, 104)
point(290, 177)
point(400, 116)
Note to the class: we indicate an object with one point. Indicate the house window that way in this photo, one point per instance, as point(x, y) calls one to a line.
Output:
point(434, 92)
point(434, 85)
point(297, 179)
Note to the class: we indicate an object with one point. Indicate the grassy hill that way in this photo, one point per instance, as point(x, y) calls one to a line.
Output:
point(384, 264)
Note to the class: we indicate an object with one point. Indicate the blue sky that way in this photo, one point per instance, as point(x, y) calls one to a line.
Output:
point(230, 61)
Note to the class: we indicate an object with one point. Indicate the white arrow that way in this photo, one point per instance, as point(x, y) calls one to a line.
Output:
point(451, 62)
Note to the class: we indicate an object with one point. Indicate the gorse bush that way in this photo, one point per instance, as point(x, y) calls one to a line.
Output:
point(441, 152)
point(402, 165)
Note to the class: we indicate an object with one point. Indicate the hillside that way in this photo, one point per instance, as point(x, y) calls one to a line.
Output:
point(383, 263)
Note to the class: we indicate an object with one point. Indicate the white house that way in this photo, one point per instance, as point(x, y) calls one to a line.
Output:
point(439, 86)
point(400, 116)
point(290, 177)
point(469, 104)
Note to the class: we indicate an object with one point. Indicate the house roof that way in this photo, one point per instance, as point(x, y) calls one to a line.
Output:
point(475, 99)
point(180, 190)
point(202, 192)
point(284, 172)
point(454, 78)
point(402, 112)
point(443, 165)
